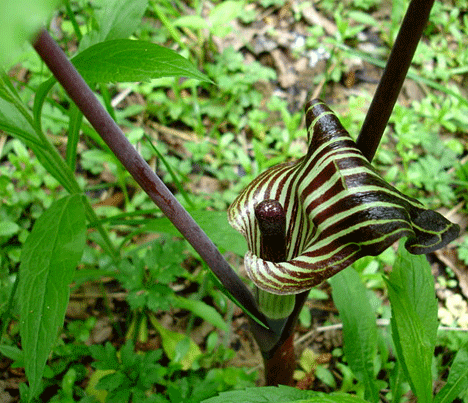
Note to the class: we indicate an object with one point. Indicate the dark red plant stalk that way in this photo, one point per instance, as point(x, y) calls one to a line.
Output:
point(99, 118)
point(393, 76)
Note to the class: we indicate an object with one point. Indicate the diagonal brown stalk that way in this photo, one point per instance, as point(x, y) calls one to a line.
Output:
point(99, 118)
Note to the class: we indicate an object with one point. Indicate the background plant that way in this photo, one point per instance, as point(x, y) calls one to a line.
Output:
point(218, 158)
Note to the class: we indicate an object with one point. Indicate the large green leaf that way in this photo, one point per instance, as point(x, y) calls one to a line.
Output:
point(359, 328)
point(283, 394)
point(414, 319)
point(127, 60)
point(48, 260)
point(457, 381)
point(122, 60)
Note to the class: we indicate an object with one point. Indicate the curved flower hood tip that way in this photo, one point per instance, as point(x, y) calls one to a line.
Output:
point(338, 209)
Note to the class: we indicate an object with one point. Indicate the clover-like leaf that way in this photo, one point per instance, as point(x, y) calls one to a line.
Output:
point(338, 209)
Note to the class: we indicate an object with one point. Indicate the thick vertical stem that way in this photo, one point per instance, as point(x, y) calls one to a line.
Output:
point(393, 76)
point(280, 363)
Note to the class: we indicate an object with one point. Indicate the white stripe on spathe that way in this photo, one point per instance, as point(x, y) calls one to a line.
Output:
point(351, 213)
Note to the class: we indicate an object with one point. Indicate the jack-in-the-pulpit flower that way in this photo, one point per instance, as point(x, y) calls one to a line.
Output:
point(338, 209)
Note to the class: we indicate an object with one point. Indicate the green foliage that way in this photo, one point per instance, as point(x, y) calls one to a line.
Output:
point(217, 21)
point(227, 239)
point(127, 375)
point(236, 131)
point(130, 375)
point(414, 320)
point(359, 328)
point(282, 393)
point(463, 251)
point(457, 382)
point(148, 273)
point(414, 330)
point(48, 260)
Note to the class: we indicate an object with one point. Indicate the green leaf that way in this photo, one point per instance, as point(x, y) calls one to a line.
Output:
point(359, 328)
point(214, 223)
point(118, 19)
point(8, 228)
point(414, 319)
point(95, 377)
point(13, 122)
point(191, 21)
point(222, 14)
point(12, 352)
point(48, 260)
point(204, 311)
point(127, 60)
point(226, 292)
point(281, 394)
point(172, 342)
point(20, 20)
point(457, 381)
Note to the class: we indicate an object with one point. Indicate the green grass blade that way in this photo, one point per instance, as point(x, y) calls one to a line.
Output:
point(39, 99)
point(48, 261)
point(74, 22)
point(457, 381)
point(168, 24)
point(414, 319)
point(226, 292)
point(74, 125)
point(359, 328)
point(13, 121)
point(179, 186)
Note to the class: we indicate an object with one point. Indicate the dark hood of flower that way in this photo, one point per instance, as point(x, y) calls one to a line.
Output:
point(338, 209)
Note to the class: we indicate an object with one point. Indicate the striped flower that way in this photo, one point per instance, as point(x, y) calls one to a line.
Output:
point(338, 209)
